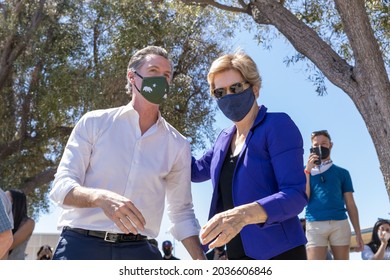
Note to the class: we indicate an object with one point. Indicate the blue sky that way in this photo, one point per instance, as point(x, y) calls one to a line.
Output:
point(288, 90)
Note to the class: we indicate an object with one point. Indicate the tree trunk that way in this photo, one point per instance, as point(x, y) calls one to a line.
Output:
point(366, 83)
point(373, 95)
point(16, 45)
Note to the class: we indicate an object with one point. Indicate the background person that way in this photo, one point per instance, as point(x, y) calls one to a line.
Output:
point(23, 225)
point(378, 248)
point(45, 252)
point(256, 170)
point(118, 168)
point(329, 255)
point(6, 237)
point(167, 249)
point(7, 206)
point(330, 191)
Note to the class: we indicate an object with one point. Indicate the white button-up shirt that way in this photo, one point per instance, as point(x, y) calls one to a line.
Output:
point(107, 151)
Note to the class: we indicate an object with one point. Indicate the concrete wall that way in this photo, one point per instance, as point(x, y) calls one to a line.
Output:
point(39, 239)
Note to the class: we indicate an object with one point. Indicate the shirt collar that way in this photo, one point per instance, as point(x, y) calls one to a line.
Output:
point(130, 109)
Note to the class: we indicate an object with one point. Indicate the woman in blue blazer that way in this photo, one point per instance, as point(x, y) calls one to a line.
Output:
point(256, 169)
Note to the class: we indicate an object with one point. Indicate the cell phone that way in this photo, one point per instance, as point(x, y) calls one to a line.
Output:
point(317, 151)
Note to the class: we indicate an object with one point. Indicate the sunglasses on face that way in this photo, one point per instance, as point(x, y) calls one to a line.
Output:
point(320, 132)
point(234, 88)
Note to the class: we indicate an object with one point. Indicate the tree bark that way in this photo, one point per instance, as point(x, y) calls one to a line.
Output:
point(15, 45)
point(366, 82)
point(39, 180)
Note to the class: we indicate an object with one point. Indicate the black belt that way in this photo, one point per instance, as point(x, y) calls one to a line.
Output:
point(109, 236)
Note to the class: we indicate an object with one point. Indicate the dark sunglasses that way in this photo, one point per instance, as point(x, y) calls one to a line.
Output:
point(320, 132)
point(234, 88)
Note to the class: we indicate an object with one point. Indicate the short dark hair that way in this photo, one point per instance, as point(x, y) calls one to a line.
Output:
point(138, 59)
point(167, 243)
point(320, 132)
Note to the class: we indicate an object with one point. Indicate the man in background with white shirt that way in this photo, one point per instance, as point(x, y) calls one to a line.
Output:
point(118, 167)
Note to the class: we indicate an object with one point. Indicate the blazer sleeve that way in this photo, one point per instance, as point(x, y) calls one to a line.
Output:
point(285, 148)
point(200, 168)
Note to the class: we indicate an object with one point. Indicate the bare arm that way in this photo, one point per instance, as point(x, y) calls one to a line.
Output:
point(23, 232)
point(192, 244)
point(224, 226)
point(307, 185)
point(380, 254)
point(5, 243)
point(309, 166)
point(116, 207)
point(354, 217)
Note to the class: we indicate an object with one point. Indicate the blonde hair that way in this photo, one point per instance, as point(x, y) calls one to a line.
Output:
point(238, 61)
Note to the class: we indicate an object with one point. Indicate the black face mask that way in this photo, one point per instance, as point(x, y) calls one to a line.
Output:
point(167, 251)
point(325, 152)
point(322, 152)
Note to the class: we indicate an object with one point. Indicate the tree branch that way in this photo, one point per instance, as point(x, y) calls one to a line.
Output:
point(10, 148)
point(366, 52)
point(306, 41)
point(15, 45)
point(220, 6)
point(39, 179)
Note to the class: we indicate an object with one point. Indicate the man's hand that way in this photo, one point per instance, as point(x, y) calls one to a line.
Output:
point(122, 211)
point(117, 208)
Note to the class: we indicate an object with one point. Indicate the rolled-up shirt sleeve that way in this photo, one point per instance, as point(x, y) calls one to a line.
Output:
point(74, 162)
point(179, 198)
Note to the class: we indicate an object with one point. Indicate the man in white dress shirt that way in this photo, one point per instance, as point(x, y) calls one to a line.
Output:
point(118, 167)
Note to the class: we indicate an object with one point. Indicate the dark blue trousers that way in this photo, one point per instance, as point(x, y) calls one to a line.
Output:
point(76, 246)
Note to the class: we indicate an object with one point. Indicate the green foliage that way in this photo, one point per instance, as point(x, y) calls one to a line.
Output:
point(74, 59)
point(323, 18)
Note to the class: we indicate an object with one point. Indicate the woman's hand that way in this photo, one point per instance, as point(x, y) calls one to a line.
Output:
point(382, 235)
point(224, 226)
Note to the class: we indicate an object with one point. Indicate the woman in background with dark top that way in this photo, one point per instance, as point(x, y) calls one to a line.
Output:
point(23, 225)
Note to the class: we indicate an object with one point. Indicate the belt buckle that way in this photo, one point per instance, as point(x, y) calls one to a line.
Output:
point(108, 239)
